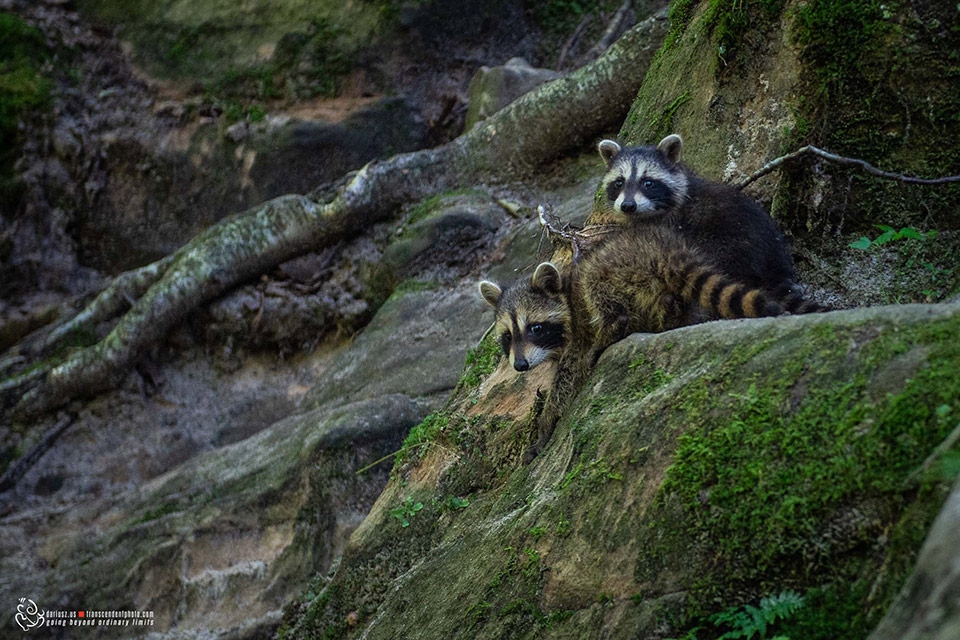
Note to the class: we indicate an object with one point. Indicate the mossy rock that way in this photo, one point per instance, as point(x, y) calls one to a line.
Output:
point(699, 470)
point(744, 83)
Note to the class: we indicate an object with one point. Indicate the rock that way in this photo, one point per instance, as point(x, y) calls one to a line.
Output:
point(414, 346)
point(493, 88)
point(295, 156)
point(237, 131)
point(928, 607)
point(65, 143)
point(684, 469)
point(224, 540)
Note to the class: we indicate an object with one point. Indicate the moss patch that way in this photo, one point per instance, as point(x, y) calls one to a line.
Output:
point(767, 491)
point(24, 90)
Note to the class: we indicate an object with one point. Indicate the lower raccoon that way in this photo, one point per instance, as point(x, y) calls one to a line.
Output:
point(636, 280)
point(650, 184)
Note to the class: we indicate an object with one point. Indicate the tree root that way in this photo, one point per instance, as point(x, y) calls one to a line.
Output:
point(843, 160)
point(537, 127)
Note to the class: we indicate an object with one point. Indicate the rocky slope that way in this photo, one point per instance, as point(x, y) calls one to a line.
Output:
point(701, 469)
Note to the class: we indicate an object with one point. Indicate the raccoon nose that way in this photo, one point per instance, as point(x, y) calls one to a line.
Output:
point(628, 206)
point(521, 364)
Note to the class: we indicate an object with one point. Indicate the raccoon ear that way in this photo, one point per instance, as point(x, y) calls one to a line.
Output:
point(547, 277)
point(608, 150)
point(670, 147)
point(490, 292)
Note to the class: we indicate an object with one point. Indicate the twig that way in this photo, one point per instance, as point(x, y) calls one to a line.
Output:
point(390, 455)
point(608, 36)
point(17, 470)
point(575, 237)
point(573, 38)
point(941, 448)
point(567, 236)
point(832, 157)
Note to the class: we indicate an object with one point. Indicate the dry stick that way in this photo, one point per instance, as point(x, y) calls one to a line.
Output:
point(575, 237)
point(566, 236)
point(608, 36)
point(832, 157)
point(21, 466)
point(573, 38)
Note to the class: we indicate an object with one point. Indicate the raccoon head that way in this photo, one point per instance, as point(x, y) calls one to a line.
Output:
point(532, 317)
point(643, 181)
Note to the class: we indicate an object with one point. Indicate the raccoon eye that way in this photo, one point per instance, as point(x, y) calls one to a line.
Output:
point(505, 340)
point(618, 183)
point(536, 329)
point(647, 184)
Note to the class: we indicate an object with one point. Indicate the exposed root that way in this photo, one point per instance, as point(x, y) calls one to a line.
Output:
point(843, 160)
point(535, 128)
point(19, 468)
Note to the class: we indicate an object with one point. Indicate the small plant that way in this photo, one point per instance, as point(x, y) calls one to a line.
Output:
point(891, 235)
point(751, 622)
point(406, 510)
point(454, 503)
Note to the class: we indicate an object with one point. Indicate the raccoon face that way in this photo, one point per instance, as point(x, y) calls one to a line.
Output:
point(533, 319)
point(643, 180)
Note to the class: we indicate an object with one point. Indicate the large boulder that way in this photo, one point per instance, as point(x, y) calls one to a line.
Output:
point(700, 469)
point(493, 88)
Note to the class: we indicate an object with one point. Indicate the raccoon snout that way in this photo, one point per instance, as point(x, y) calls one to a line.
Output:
point(628, 206)
point(521, 364)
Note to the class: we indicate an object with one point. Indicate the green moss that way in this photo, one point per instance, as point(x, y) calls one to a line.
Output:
point(757, 489)
point(411, 285)
point(434, 203)
point(880, 84)
point(651, 376)
point(159, 512)
point(24, 90)
point(425, 432)
point(481, 362)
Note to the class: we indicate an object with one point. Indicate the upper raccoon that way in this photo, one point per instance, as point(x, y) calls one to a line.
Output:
point(647, 184)
point(637, 280)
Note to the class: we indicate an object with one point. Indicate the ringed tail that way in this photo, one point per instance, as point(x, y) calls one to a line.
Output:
point(725, 297)
point(795, 303)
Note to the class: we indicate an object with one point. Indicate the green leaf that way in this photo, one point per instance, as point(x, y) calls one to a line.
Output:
point(910, 232)
point(883, 227)
point(885, 237)
point(862, 243)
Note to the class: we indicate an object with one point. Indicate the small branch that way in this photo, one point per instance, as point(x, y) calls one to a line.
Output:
point(608, 36)
point(19, 469)
point(390, 455)
point(931, 459)
point(843, 160)
point(566, 236)
point(572, 40)
point(577, 238)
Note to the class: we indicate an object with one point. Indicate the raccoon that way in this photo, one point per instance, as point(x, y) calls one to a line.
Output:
point(532, 322)
point(646, 280)
point(649, 185)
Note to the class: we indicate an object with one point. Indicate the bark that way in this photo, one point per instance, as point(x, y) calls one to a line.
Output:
point(537, 127)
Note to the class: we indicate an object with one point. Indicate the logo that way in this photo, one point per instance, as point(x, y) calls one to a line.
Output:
point(28, 615)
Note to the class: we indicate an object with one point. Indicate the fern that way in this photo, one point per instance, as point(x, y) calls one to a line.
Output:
point(749, 621)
